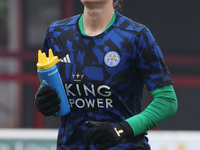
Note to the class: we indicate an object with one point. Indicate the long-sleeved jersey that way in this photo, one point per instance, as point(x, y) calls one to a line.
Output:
point(104, 75)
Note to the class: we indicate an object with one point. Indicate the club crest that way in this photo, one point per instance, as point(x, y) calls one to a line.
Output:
point(112, 59)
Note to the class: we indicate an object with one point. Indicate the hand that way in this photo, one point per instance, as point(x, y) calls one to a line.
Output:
point(107, 135)
point(47, 100)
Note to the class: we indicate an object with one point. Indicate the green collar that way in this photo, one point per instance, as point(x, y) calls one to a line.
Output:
point(80, 24)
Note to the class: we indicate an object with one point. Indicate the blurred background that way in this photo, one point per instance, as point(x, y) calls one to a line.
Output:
point(23, 24)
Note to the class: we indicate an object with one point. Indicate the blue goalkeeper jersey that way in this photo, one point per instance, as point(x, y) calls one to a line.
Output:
point(104, 76)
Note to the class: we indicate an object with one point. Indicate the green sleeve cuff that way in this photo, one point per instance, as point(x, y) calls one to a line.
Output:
point(159, 110)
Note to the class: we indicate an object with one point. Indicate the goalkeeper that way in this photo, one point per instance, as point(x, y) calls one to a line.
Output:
point(107, 58)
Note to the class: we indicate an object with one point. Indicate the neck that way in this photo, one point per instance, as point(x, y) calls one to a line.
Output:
point(96, 19)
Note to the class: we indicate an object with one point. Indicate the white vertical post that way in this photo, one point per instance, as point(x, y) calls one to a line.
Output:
point(13, 26)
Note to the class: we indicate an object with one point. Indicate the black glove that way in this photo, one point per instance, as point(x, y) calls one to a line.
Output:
point(107, 135)
point(47, 100)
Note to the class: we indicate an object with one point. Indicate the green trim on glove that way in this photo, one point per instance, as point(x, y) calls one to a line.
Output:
point(159, 110)
point(40, 86)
